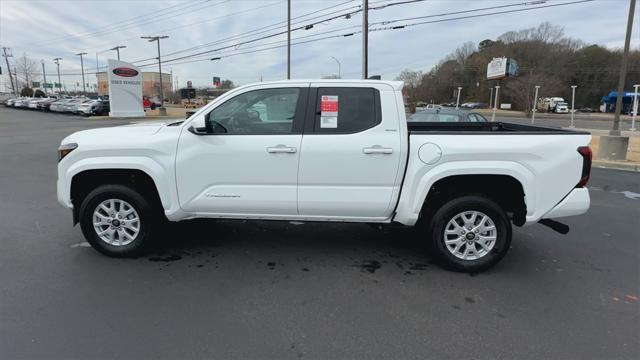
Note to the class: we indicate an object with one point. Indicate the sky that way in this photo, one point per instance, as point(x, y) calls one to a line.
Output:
point(58, 28)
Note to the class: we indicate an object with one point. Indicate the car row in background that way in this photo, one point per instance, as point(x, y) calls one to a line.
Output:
point(446, 115)
point(66, 104)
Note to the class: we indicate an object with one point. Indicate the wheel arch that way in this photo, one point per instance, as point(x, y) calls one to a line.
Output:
point(83, 182)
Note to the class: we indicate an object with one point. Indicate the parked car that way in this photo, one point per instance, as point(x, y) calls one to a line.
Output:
point(446, 115)
point(150, 104)
point(11, 102)
point(347, 155)
point(93, 107)
point(58, 106)
point(71, 106)
point(45, 104)
point(562, 108)
point(585, 109)
point(474, 105)
point(22, 103)
point(33, 103)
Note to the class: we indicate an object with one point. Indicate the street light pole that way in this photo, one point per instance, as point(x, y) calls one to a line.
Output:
point(534, 108)
point(44, 76)
point(288, 39)
point(57, 61)
point(339, 66)
point(84, 85)
point(458, 97)
point(573, 100)
point(117, 49)
point(365, 38)
point(161, 110)
point(635, 107)
point(495, 103)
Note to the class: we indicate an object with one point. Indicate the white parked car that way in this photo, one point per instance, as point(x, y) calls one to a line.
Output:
point(562, 108)
point(324, 150)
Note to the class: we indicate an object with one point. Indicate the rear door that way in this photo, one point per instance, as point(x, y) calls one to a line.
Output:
point(350, 152)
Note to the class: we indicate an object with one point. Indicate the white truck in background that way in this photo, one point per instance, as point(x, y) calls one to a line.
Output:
point(553, 104)
point(324, 150)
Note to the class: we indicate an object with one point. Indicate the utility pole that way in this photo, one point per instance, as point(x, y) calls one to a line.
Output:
point(534, 108)
point(6, 57)
point(573, 101)
point(57, 61)
point(117, 49)
point(288, 39)
point(162, 111)
point(339, 66)
point(44, 78)
point(84, 85)
point(623, 71)
point(458, 97)
point(495, 104)
point(365, 38)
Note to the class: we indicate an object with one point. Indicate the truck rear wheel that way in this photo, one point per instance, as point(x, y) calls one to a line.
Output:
point(117, 221)
point(470, 233)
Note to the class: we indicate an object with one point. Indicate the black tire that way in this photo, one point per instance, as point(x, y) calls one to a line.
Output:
point(449, 211)
point(148, 216)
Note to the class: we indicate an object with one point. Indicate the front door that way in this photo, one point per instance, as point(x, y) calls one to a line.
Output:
point(249, 165)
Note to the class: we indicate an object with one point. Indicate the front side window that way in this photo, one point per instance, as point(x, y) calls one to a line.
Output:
point(345, 110)
point(258, 112)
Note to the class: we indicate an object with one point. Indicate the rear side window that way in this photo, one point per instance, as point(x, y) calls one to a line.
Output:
point(345, 110)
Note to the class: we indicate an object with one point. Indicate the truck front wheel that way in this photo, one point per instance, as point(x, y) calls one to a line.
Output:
point(116, 220)
point(470, 233)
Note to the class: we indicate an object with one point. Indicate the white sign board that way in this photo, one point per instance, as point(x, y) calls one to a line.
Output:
point(497, 68)
point(125, 89)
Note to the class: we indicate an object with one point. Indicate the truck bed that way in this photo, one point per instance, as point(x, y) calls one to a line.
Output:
point(485, 127)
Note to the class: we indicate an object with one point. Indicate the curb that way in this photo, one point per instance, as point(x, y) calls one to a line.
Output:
point(618, 165)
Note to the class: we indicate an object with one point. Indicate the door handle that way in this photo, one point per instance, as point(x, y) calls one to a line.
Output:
point(281, 149)
point(377, 149)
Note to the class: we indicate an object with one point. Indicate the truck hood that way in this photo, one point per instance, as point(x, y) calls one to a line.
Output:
point(135, 133)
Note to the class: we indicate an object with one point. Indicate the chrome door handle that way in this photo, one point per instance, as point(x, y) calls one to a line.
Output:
point(377, 149)
point(281, 149)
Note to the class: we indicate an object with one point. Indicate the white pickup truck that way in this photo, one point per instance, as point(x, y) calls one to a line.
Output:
point(324, 150)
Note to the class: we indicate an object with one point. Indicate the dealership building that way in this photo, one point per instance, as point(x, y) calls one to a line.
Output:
point(150, 84)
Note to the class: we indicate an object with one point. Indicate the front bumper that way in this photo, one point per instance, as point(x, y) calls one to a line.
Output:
point(576, 203)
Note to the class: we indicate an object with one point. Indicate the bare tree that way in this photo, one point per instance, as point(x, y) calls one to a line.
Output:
point(27, 68)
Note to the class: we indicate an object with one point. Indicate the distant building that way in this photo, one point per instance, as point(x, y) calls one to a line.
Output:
point(150, 84)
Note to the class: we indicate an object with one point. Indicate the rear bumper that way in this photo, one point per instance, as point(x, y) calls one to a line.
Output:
point(576, 203)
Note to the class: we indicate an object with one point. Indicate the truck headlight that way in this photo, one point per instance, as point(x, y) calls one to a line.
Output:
point(65, 149)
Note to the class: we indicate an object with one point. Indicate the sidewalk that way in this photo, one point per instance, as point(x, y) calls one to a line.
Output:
point(633, 152)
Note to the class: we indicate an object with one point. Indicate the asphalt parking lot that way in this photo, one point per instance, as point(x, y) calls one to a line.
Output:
point(279, 290)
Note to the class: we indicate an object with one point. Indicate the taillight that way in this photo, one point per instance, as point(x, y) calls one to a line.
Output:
point(586, 153)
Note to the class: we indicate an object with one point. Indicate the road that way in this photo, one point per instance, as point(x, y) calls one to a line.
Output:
point(581, 120)
point(280, 290)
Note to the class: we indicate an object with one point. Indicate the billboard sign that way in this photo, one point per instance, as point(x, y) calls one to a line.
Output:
point(216, 81)
point(497, 68)
point(125, 89)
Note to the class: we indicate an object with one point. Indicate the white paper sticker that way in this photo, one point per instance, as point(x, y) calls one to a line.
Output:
point(329, 122)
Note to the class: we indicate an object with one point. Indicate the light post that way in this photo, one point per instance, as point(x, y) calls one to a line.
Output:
point(57, 61)
point(635, 107)
point(84, 85)
point(458, 97)
point(162, 111)
point(117, 49)
point(339, 66)
point(573, 100)
point(44, 76)
point(535, 105)
point(495, 104)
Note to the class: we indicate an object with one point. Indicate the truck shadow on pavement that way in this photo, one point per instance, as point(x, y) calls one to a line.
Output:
point(276, 244)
